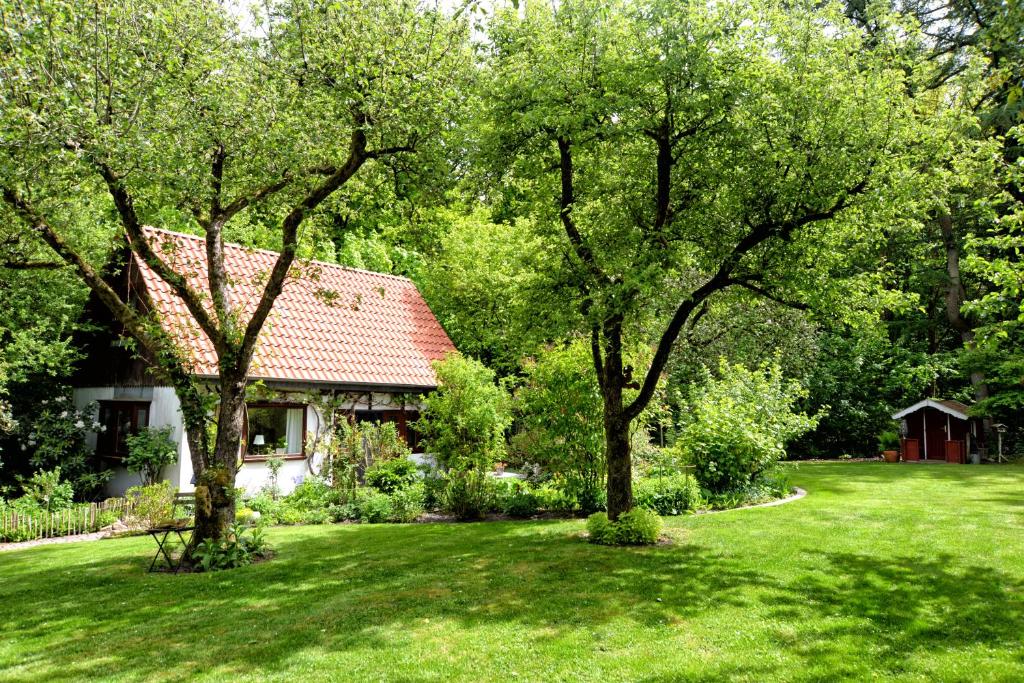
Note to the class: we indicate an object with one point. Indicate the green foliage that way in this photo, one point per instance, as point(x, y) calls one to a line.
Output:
point(46, 491)
point(560, 412)
point(888, 441)
point(150, 450)
point(771, 485)
point(467, 494)
point(153, 505)
point(407, 504)
point(668, 495)
point(274, 466)
point(310, 494)
point(516, 498)
point(56, 437)
point(351, 447)
point(739, 423)
point(393, 475)
point(373, 507)
point(480, 284)
point(240, 546)
point(639, 526)
point(464, 421)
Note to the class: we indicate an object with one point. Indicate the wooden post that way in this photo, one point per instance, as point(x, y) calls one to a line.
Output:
point(924, 430)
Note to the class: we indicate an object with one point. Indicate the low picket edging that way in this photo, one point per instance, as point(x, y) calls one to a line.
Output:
point(78, 519)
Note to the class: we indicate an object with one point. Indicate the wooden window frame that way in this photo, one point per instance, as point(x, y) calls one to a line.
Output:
point(402, 419)
point(111, 436)
point(287, 405)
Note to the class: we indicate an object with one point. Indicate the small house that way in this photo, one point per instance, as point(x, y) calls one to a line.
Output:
point(938, 430)
point(359, 341)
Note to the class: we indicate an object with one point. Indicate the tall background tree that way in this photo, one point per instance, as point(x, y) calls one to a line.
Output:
point(135, 113)
point(669, 152)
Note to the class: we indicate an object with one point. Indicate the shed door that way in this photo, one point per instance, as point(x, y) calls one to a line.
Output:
point(935, 434)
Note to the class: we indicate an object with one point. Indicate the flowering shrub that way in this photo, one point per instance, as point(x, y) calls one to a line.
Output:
point(56, 438)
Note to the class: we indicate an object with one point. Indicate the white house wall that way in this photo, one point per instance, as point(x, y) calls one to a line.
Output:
point(165, 409)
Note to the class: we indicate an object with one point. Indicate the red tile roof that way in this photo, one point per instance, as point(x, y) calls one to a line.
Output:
point(330, 324)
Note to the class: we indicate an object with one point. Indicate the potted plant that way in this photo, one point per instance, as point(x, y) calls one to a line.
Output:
point(889, 445)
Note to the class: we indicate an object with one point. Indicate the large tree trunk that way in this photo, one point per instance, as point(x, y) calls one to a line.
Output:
point(215, 474)
point(620, 465)
point(955, 295)
point(616, 424)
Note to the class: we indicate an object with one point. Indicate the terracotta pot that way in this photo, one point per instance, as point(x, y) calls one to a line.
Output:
point(891, 456)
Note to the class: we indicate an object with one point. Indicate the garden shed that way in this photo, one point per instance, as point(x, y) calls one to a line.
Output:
point(938, 430)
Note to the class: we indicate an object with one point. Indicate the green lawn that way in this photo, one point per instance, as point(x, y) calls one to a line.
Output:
point(893, 571)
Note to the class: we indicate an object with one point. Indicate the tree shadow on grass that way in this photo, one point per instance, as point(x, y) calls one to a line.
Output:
point(346, 588)
point(895, 609)
point(80, 613)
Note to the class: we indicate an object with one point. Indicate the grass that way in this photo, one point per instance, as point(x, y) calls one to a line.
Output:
point(889, 571)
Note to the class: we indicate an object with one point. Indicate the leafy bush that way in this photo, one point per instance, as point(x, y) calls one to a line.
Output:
point(150, 450)
point(264, 504)
point(316, 516)
point(389, 476)
point(468, 494)
point(433, 490)
point(771, 485)
point(373, 507)
point(407, 504)
point(888, 441)
point(46, 491)
point(246, 515)
point(464, 421)
point(153, 504)
point(383, 442)
point(560, 410)
point(639, 526)
point(344, 512)
point(312, 493)
point(668, 496)
point(738, 425)
point(516, 498)
point(553, 499)
point(239, 547)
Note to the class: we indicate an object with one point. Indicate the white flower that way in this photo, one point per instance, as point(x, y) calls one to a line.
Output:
point(59, 399)
point(31, 443)
point(64, 414)
point(45, 401)
point(79, 424)
point(96, 425)
point(103, 428)
point(24, 447)
point(32, 435)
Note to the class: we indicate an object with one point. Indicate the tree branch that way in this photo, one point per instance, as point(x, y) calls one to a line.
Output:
point(746, 283)
point(566, 202)
point(289, 237)
point(31, 265)
point(758, 234)
point(125, 314)
point(137, 239)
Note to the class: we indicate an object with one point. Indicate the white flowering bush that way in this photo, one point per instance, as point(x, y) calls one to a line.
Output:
point(55, 437)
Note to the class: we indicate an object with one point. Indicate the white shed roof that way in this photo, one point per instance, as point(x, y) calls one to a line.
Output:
point(954, 408)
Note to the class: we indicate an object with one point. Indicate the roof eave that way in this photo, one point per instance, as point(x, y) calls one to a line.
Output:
point(930, 403)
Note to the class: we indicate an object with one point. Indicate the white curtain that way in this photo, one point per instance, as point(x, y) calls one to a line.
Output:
point(294, 429)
